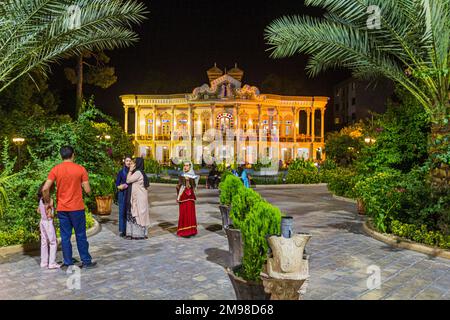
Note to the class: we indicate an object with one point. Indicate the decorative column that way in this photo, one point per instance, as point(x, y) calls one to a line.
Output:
point(237, 143)
point(278, 129)
point(135, 122)
point(174, 121)
point(308, 122)
point(172, 142)
point(322, 124)
point(313, 127)
point(296, 126)
point(126, 119)
point(154, 132)
point(191, 132)
point(211, 119)
point(258, 127)
point(138, 121)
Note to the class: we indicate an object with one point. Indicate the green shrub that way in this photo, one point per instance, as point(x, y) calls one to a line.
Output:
point(420, 234)
point(344, 146)
point(230, 186)
point(242, 203)
point(152, 166)
point(381, 194)
point(263, 219)
point(341, 181)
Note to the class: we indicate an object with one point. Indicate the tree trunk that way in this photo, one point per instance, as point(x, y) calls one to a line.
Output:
point(79, 98)
point(439, 147)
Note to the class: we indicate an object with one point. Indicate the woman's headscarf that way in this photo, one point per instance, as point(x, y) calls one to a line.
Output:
point(191, 173)
point(140, 167)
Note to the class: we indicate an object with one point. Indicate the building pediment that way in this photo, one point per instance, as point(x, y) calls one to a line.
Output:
point(224, 87)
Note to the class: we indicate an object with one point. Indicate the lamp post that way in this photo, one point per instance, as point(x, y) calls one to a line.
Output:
point(369, 140)
point(18, 142)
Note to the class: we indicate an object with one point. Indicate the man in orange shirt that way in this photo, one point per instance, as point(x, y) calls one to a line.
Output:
point(70, 179)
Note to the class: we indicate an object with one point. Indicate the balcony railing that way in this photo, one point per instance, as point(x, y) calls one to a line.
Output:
point(268, 138)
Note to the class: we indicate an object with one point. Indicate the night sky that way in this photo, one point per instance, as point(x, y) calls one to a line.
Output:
point(183, 38)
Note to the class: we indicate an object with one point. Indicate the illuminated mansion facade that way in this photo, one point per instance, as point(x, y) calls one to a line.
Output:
point(251, 125)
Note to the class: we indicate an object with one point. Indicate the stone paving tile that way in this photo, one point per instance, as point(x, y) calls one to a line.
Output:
point(167, 267)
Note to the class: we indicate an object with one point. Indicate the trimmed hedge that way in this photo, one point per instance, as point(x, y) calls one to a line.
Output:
point(22, 236)
point(256, 218)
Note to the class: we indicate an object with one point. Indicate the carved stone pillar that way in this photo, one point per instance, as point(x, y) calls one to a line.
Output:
point(308, 122)
point(322, 124)
point(126, 119)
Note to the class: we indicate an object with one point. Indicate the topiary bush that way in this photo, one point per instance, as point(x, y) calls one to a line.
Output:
point(230, 186)
point(261, 220)
point(242, 202)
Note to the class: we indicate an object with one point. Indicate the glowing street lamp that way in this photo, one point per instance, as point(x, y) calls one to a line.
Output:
point(18, 142)
point(369, 140)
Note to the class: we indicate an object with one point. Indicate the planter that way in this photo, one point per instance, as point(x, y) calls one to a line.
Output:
point(225, 212)
point(104, 205)
point(246, 290)
point(235, 246)
point(361, 208)
point(286, 226)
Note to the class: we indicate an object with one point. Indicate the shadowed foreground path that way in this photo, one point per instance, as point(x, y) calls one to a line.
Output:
point(167, 267)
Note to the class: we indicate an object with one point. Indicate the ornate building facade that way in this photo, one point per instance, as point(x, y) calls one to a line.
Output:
point(250, 125)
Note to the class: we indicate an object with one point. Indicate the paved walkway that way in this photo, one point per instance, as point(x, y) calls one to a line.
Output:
point(167, 267)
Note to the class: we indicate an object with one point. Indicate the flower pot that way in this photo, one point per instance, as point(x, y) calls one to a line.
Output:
point(225, 212)
point(104, 204)
point(246, 290)
point(235, 246)
point(361, 209)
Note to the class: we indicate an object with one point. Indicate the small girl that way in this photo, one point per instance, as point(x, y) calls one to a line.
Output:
point(48, 234)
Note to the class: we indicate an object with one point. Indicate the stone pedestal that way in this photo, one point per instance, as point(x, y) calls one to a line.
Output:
point(283, 289)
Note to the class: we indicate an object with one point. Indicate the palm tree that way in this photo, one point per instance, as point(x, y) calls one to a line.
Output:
point(407, 41)
point(36, 33)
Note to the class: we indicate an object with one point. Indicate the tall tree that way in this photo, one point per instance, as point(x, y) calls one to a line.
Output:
point(407, 41)
point(97, 73)
point(36, 33)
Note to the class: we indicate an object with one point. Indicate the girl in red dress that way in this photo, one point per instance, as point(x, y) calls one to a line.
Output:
point(187, 183)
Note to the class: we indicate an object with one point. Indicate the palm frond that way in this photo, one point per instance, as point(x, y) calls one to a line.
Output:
point(413, 35)
point(36, 33)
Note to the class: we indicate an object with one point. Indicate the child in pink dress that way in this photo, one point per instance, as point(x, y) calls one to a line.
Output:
point(49, 244)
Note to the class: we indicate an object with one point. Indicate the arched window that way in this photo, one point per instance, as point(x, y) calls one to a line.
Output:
point(224, 121)
point(149, 124)
point(165, 124)
point(182, 123)
point(288, 123)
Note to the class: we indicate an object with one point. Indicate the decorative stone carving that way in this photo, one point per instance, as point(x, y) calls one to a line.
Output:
point(286, 274)
point(287, 261)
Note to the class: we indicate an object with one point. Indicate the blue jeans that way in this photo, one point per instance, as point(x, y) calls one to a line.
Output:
point(122, 212)
point(69, 220)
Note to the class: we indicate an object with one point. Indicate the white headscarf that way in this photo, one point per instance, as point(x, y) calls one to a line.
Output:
point(191, 173)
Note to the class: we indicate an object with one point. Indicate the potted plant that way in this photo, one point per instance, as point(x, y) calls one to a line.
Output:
point(256, 218)
point(243, 200)
point(103, 189)
point(229, 186)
